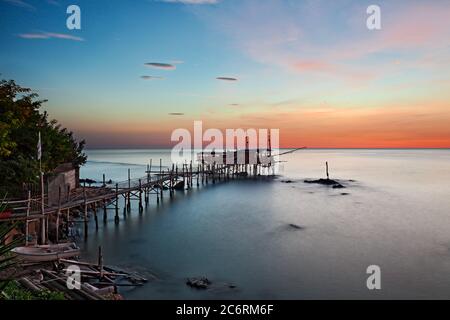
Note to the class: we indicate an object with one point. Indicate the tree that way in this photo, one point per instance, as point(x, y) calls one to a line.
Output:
point(20, 123)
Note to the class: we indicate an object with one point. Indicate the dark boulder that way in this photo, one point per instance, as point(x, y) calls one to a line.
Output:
point(198, 283)
point(326, 182)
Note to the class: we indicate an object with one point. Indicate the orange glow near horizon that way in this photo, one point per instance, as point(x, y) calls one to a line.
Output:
point(407, 127)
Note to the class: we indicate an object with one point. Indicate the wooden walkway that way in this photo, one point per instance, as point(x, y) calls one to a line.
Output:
point(89, 200)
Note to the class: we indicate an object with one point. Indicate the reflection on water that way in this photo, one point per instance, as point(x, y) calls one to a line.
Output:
point(395, 213)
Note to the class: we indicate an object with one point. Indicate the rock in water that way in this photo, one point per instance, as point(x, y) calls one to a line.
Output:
point(326, 182)
point(295, 226)
point(198, 283)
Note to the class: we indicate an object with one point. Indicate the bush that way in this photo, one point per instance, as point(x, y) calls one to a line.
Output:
point(20, 124)
point(13, 291)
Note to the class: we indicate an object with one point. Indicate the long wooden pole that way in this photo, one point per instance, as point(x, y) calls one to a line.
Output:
point(43, 240)
point(328, 176)
point(57, 214)
point(28, 214)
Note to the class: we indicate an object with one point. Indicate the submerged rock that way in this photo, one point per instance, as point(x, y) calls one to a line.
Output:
point(88, 181)
point(326, 182)
point(198, 283)
point(287, 181)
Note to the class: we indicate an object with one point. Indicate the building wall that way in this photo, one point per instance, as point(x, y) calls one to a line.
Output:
point(67, 181)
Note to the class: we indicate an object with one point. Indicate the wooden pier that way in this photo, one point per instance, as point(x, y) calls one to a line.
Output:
point(89, 202)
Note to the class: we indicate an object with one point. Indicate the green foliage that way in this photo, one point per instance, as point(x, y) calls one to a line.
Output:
point(7, 260)
point(20, 123)
point(14, 292)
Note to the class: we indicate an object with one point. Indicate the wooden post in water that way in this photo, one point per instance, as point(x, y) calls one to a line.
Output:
point(105, 211)
point(202, 172)
point(104, 181)
point(188, 176)
point(125, 205)
point(141, 208)
point(198, 175)
point(191, 173)
point(182, 171)
point(328, 176)
point(128, 193)
point(149, 180)
point(160, 179)
point(176, 173)
point(94, 207)
point(171, 180)
point(85, 211)
point(116, 217)
point(147, 184)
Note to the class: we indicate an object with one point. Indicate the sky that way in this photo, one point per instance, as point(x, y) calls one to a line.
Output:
point(137, 70)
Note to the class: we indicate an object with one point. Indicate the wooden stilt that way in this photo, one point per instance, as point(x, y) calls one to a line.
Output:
point(85, 211)
point(161, 186)
point(128, 193)
point(105, 211)
point(116, 217)
point(94, 207)
point(57, 215)
point(141, 208)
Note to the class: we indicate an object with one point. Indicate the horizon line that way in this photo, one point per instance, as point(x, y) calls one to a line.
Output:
point(283, 148)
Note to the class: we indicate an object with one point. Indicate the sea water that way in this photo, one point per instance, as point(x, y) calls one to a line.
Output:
point(393, 213)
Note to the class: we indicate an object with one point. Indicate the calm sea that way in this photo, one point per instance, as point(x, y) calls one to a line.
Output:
point(394, 213)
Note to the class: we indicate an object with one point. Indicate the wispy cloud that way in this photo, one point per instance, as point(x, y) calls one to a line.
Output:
point(227, 79)
point(159, 65)
point(271, 34)
point(152, 78)
point(176, 114)
point(20, 3)
point(50, 35)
